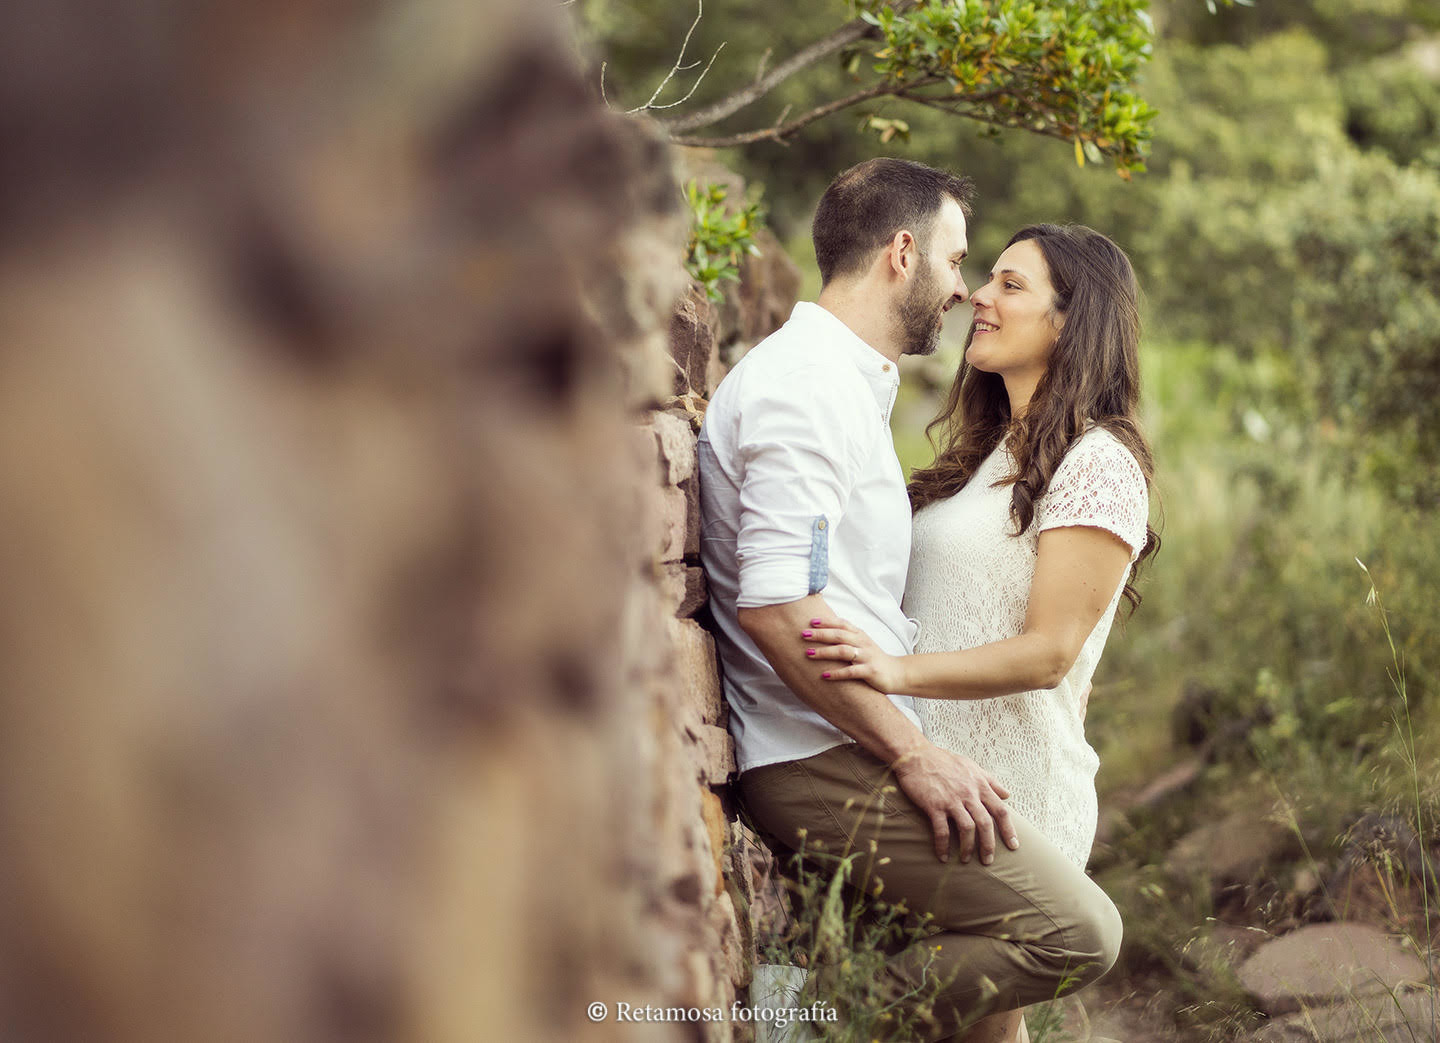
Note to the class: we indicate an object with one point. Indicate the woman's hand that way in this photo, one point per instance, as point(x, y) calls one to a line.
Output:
point(856, 657)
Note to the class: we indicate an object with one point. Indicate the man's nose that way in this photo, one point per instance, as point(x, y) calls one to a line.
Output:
point(961, 290)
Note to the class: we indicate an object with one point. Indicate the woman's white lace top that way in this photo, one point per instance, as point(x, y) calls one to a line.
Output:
point(969, 584)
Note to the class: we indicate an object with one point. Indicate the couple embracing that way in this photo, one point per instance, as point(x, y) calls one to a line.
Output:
point(910, 667)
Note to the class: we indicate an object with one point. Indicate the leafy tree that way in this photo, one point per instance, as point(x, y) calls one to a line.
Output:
point(1062, 69)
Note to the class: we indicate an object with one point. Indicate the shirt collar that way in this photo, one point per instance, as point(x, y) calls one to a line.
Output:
point(879, 372)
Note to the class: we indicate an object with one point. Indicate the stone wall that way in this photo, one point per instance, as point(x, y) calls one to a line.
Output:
point(715, 870)
point(351, 685)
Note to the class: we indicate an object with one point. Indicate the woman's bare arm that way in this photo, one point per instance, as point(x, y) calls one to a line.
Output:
point(1077, 570)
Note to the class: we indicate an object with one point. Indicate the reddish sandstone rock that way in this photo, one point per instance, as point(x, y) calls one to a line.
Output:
point(692, 342)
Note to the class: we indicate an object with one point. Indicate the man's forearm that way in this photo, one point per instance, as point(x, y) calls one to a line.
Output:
point(855, 708)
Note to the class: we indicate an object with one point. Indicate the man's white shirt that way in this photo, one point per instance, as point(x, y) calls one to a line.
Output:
point(801, 493)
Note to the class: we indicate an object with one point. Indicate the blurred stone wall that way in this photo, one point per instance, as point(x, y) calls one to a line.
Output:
point(350, 681)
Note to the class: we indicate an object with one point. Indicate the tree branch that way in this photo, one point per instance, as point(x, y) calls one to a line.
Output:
point(713, 113)
point(1013, 121)
point(955, 106)
point(781, 131)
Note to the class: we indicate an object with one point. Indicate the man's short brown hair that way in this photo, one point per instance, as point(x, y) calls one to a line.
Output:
point(866, 205)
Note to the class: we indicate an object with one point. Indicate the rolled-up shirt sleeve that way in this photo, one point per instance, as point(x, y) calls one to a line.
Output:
point(802, 446)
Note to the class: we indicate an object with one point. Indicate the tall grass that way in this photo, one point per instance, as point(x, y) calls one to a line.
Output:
point(844, 933)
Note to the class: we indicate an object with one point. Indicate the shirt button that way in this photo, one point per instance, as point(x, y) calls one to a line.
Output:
point(820, 526)
point(885, 368)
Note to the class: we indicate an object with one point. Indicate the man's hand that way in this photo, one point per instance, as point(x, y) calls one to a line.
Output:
point(948, 787)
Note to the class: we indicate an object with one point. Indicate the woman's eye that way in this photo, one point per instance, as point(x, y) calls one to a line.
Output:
point(1012, 286)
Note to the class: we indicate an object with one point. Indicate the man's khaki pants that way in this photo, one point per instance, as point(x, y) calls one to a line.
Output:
point(1028, 927)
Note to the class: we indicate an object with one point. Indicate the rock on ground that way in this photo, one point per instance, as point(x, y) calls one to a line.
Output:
point(1235, 848)
point(1376, 1018)
point(1328, 963)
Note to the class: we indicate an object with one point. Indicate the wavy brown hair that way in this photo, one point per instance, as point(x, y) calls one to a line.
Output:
point(1093, 375)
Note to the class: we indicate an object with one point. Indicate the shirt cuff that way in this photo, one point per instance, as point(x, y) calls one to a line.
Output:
point(774, 578)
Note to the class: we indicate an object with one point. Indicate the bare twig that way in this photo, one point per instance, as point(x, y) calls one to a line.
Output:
point(679, 66)
point(764, 61)
point(649, 106)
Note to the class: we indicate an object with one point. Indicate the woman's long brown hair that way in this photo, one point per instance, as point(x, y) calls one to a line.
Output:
point(1093, 375)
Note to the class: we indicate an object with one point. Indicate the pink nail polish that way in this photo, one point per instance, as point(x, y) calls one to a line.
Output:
point(809, 651)
point(826, 675)
point(815, 622)
point(807, 633)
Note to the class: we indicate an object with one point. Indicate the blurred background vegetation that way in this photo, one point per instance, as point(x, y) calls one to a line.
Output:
point(1287, 241)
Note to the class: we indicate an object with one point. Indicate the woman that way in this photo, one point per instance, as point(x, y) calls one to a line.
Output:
point(1026, 529)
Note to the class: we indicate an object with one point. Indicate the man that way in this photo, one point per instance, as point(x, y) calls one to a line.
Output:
point(804, 516)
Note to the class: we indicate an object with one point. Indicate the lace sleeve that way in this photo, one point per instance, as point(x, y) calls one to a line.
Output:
point(1098, 484)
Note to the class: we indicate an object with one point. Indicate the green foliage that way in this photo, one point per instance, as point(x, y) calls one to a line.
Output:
point(843, 933)
point(1064, 69)
point(1359, 29)
point(1393, 104)
point(1365, 312)
point(1256, 598)
point(1255, 595)
point(720, 236)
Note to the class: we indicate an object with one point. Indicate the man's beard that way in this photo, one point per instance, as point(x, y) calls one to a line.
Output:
point(920, 315)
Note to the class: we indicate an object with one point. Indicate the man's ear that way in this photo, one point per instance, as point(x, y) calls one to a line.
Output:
point(902, 254)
